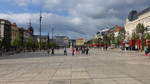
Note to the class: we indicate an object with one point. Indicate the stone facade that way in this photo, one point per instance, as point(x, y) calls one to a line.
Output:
point(5, 33)
point(142, 17)
point(14, 31)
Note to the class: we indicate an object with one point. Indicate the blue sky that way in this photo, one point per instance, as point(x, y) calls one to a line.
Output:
point(74, 18)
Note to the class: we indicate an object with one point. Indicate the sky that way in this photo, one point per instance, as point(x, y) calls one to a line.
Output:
point(73, 18)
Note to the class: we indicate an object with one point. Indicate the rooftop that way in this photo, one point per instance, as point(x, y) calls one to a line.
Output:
point(144, 11)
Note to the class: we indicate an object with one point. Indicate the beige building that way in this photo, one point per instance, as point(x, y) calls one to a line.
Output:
point(135, 18)
point(80, 42)
point(14, 32)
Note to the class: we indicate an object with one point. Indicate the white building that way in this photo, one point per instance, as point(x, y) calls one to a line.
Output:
point(61, 41)
point(134, 19)
point(101, 33)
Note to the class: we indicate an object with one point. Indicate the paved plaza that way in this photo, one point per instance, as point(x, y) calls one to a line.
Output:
point(99, 67)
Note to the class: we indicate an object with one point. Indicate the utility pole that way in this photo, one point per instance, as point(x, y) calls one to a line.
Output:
point(48, 41)
point(52, 33)
point(40, 28)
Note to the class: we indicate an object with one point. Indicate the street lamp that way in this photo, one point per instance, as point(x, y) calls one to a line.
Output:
point(40, 28)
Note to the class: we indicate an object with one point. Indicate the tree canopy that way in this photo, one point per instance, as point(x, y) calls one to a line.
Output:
point(140, 28)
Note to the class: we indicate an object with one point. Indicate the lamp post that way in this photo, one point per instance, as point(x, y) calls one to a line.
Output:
point(52, 33)
point(40, 28)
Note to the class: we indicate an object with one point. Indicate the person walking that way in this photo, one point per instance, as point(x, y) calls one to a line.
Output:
point(73, 50)
point(65, 51)
point(48, 51)
point(82, 50)
point(87, 51)
point(52, 51)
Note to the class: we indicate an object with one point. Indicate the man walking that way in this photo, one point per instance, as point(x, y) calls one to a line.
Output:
point(65, 51)
point(73, 50)
point(87, 51)
point(52, 51)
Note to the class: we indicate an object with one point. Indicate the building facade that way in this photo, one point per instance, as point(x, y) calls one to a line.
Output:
point(61, 41)
point(134, 18)
point(14, 32)
point(44, 38)
point(80, 42)
point(5, 33)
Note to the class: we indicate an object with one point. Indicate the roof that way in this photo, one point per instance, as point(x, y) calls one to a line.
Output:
point(118, 28)
point(7, 21)
point(133, 15)
point(144, 11)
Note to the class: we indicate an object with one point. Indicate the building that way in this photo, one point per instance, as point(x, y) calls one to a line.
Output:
point(101, 33)
point(61, 41)
point(27, 33)
point(21, 32)
point(5, 33)
point(134, 18)
point(44, 38)
point(72, 43)
point(30, 29)
point(117, 29)
point(80, 42)
point(14, 32)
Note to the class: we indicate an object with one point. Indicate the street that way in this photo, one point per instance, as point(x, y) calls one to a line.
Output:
point(99, 67)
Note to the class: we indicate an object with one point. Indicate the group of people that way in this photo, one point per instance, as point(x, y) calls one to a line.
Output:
point(80, 50)
point(74, 51)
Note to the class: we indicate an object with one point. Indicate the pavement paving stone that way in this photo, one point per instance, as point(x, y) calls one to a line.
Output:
point(82, 81)
point(127, 81)
point(60, 82)
point(104, 81)
point(37, 82)
point(99, 67)
point(80, 75)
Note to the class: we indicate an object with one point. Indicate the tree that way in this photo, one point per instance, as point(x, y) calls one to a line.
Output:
point(121, 36)
point(135, 36)
point(17, 41)
point(146, 36)
point(52, 44)
point(140, 28)
point(30, 42)
point(106, 39)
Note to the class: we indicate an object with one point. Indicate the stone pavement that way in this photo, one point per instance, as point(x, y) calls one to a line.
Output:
point(99, 67)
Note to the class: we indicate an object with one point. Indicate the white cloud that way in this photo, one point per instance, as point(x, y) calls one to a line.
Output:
point(22, 2)
point(76, 21)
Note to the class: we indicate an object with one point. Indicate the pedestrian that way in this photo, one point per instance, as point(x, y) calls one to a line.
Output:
point(65, 51)
point(73, 50)
point(106, 47)
point(82, 50)
point(146, 49)
point(52, 51)
point(87, 51)
point(48, 51)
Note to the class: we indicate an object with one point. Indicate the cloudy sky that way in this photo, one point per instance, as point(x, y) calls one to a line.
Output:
point(74, 18)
